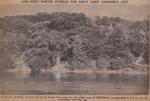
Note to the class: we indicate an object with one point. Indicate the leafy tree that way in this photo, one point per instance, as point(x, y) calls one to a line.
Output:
point(75, 39)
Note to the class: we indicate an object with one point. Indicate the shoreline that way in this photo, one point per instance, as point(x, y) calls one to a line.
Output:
point(114, 72)
point(105, 72)
point(87, 71)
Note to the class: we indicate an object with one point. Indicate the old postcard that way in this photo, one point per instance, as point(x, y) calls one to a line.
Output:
point(74, 50)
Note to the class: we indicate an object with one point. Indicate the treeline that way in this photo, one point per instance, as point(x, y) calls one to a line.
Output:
point(82, 43)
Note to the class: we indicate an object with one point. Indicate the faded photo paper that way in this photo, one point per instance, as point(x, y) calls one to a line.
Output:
point(74, 50)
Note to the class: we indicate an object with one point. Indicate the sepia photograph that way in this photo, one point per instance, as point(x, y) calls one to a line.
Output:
point(74, 50)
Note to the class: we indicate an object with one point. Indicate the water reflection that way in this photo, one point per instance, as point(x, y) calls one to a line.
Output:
point(74, 83)
point(70, 76)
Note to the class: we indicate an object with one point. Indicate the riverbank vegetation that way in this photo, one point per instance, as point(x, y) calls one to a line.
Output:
point(44, 40)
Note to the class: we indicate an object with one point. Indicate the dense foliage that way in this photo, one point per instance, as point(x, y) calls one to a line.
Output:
point(78, 41)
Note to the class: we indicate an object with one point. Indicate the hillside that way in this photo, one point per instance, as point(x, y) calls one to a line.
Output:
point(105, 43)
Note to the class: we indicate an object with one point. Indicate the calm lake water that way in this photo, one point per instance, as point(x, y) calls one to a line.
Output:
point(22, 83)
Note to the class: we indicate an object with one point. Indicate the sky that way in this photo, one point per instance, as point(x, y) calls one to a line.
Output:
point(132, 11)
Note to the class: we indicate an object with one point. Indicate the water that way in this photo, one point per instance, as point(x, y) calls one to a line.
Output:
point(21, 83)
